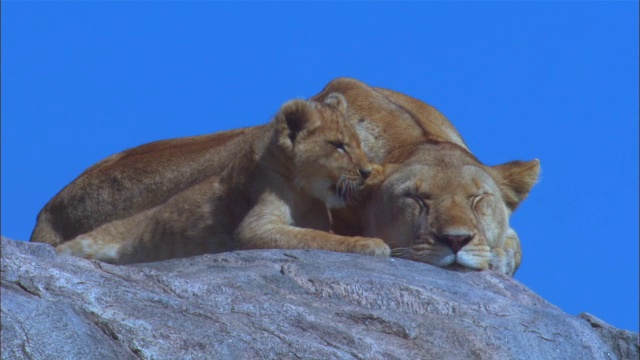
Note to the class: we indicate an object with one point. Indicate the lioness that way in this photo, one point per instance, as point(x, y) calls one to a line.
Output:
point(275, 195)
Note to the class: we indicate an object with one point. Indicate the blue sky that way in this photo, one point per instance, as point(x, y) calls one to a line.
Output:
point(520, 80)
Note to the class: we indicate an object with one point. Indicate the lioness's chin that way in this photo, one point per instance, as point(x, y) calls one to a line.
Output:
point(461, 263)
point(444, 258)
point(477, 260)
point(429, 256)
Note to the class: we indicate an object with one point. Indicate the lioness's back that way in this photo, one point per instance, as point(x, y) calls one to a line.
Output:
point(135, 180)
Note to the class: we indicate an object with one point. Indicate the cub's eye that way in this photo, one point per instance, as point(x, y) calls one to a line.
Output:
point(338, 145)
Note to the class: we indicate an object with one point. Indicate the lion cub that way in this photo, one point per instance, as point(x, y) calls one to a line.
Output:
point(274, 196)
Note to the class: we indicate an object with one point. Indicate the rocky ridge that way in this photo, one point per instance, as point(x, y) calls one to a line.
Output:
point(282, 304)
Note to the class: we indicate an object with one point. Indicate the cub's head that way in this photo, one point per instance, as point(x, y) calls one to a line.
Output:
point(444, 208)
point(326, 159)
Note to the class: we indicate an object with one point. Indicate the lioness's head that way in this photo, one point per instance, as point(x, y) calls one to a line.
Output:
point(443, 207)
point(326, 158)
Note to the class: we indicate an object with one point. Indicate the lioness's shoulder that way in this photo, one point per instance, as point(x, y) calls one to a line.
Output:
point(387, 119)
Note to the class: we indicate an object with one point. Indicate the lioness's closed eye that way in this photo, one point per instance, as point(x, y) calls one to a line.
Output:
point(274, 196)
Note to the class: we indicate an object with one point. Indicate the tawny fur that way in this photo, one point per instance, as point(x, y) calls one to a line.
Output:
point(433, 191)
point(437, 204)
point(136, 180)
point(390, 126)
point(273, 196)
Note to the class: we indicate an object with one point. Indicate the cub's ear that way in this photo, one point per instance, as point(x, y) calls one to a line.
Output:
point(338, 101)
point(516, 178)
point(294, 117)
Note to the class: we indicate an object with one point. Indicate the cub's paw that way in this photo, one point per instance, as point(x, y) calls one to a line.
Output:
point(370, 246)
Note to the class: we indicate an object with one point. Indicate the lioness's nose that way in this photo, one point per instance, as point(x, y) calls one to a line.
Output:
point(365, 172)
point(455, 242)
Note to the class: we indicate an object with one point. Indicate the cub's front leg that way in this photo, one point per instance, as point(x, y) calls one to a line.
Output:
point(270, 225)
point(291, 237)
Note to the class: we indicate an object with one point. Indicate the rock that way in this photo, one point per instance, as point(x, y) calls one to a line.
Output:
point(624, 343)
point(280, 304)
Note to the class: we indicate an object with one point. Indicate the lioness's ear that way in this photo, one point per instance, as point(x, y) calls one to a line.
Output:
point(294, 117)
point(516, 180)
point(338, 101)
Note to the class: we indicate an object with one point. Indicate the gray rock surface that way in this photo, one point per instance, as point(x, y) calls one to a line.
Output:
point(624, 343)
point(281, 304)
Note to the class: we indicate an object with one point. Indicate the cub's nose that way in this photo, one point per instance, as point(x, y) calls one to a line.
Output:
point(455, 242)
point(365, 172)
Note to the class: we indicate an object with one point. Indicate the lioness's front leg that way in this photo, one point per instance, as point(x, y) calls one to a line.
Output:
point(183, 226)
point(112, 242)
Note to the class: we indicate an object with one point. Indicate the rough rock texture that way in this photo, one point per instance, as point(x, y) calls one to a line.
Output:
point(624, 343)
point(280, 304)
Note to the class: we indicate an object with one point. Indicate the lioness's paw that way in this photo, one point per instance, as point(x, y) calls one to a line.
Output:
point(506, 260)
point(86, 247)
point(371, 246)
